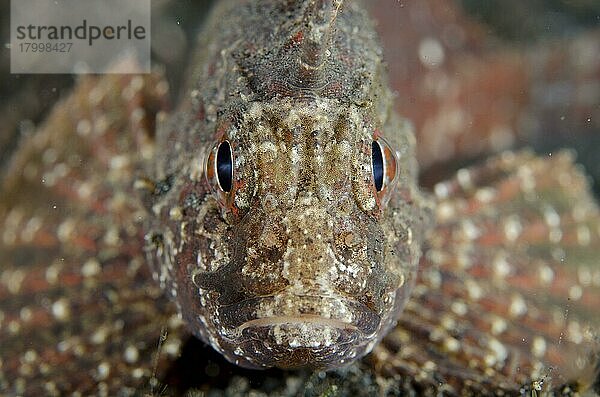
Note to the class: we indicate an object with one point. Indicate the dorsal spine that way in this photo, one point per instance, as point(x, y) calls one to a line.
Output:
point(319, 25)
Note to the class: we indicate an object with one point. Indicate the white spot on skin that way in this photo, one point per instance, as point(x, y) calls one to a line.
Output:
point(99, 337)
point(172, 347)
point(485, 195)
point(429, 366)
point(448, 322)
point(61, 309)
point(441, 190)
point(434, 278)
point(176, 321)
point(103, 370)
point(451, 344)
point(538, 346)
point(49, 156)
point(65, 230)
point(137, 373)
point(238, 351)
point(574, 332)
point(14, 327)
point(255, 111)
point(575, 292)
point(555, 235)
point(138, 115)
point(370, 203)
point(137, 83)
point(119, 162)
point(512, 228)
point(584, 276)
point(31, 228)
point(501, 267)
point(84, 127)
point(111, 237)
point(498, 325)
point(546, 275)
point(499, 352)
point(584, 236)
point(269, 147)
point(464, 178)
point(25, 314)
point(470, 231)
point(459, 307)
point(11, 224)
point(431, 53)
point(100, 125)
point(91, 268)
point(175, 213)
point(131, 354)
point(13, 279)
point(30, 356)
point(473, 289)
point(551, 217)
point(52, 272)
point(445, 211)
point(527, 179)
point(517, 306)
point(85, 190)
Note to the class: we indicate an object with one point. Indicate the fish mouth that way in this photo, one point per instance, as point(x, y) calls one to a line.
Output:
point(307, 319)
point(314, 310)
point(294, 331)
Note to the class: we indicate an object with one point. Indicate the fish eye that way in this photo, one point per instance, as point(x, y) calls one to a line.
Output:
point(220, 170)
point(377, 161)
point(224, 166)
point(383, 161)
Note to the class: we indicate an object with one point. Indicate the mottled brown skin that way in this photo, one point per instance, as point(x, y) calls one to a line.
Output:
point(304, 262)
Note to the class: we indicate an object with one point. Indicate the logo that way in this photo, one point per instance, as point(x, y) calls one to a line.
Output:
point(80, 36)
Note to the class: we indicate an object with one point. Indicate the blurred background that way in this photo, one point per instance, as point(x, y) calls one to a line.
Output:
point(481, 76)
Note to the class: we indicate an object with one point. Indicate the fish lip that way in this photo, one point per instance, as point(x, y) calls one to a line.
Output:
point(242, 315)
point(312, 319)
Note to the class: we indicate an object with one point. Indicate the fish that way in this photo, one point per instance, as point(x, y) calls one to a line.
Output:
point(503, 300)
point(274, 235)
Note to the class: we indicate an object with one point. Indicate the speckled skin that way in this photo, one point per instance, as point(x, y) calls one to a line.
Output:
point(303, 263)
